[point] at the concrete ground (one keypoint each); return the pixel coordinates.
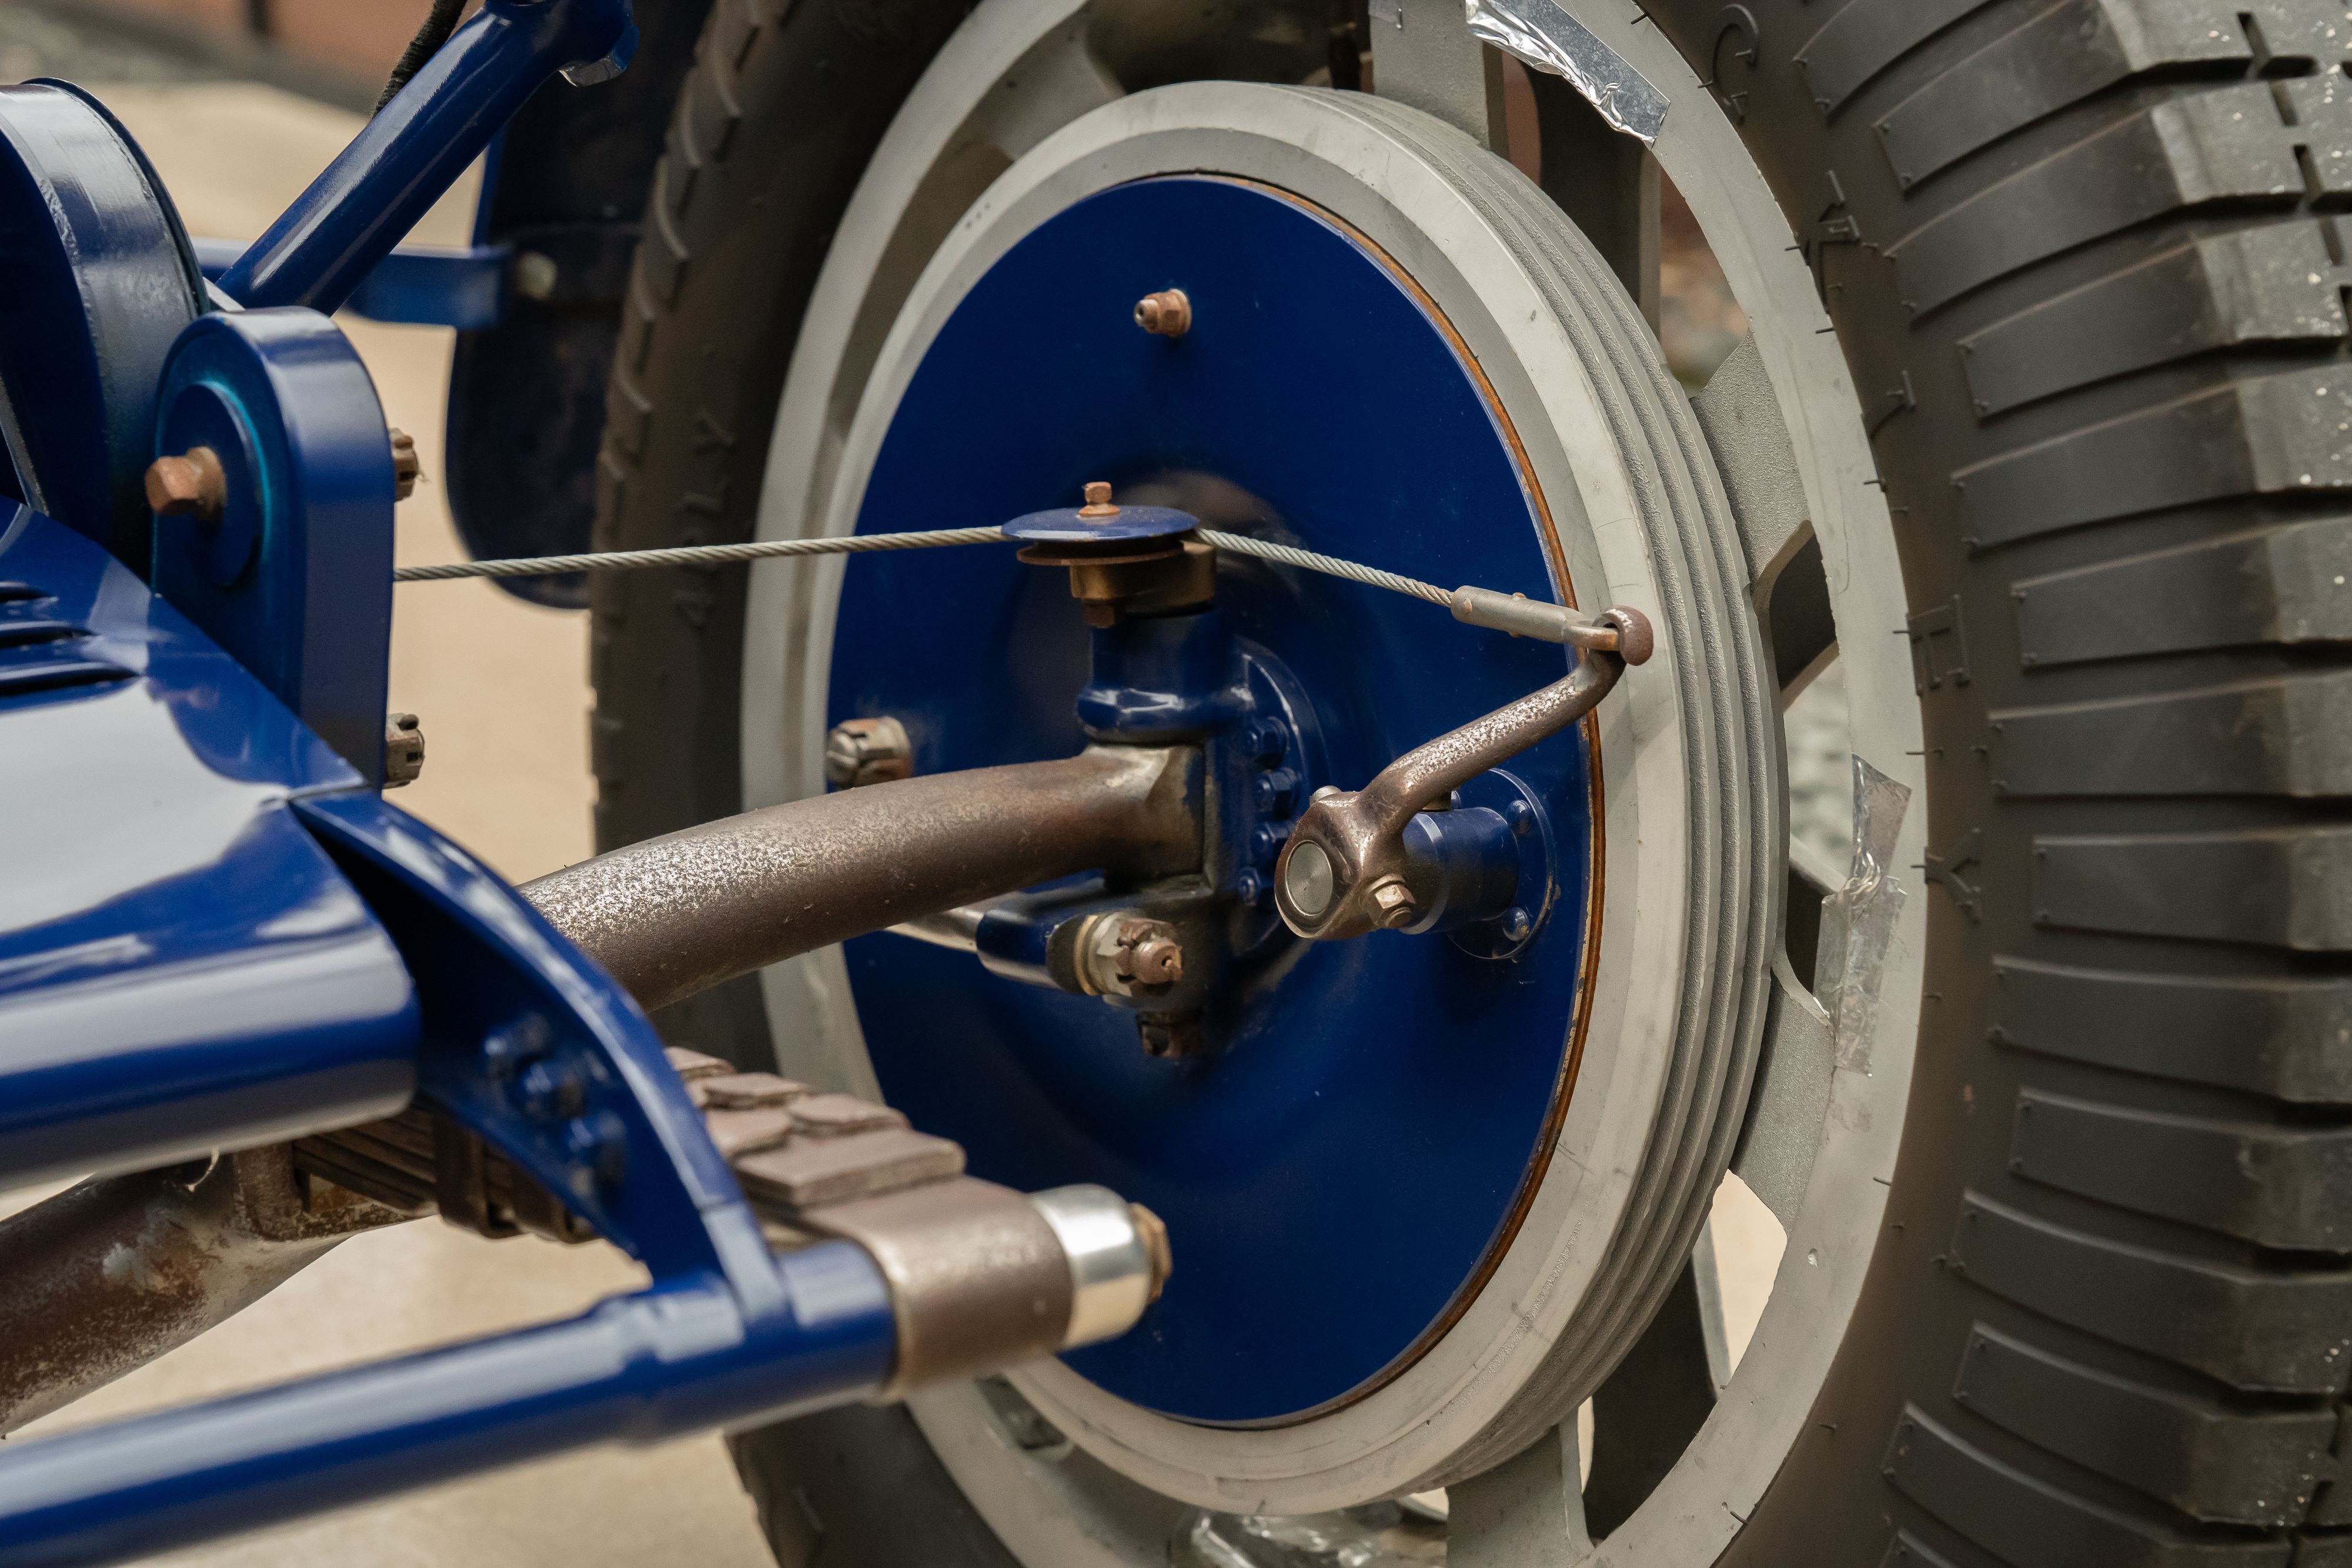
(501, 688)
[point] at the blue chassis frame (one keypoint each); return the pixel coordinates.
(278, 950)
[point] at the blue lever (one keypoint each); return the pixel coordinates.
(333, 236)
(677, 1358)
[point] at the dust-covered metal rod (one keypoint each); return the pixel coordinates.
(105, 1277)
(680, 913)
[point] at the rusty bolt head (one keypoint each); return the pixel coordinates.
(403, 750)
(867, 751)
(405, 469)
(1392, 904)
(1167, 314)
(1169, 1034)
(192, 484)
(1097, 500)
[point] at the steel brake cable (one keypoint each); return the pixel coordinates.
(1487, 607)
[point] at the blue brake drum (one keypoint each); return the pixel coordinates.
(1345, 1165)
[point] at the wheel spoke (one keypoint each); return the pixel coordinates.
(1529, 1508)
(1651, 1408)
(1775, 1156)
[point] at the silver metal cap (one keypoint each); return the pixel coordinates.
(1118, 1259)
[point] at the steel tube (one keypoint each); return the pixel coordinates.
(110, 1274)
(673, 1359)
(678, 914)
(331, 238)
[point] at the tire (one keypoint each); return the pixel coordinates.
(774, 123)
(2076, 261)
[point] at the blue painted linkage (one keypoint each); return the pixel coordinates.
(414, 149)
(416, 284)
(535, 1048)
(680, 1357)
(292, 954)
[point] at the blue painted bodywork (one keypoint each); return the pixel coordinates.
(1377, 1115)
(182, 968)
(295, 579)
(319, 253)
(213, 935)
(96, 282)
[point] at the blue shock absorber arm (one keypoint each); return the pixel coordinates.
(680, 1357)
(373, 194)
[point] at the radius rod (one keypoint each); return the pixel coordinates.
(678, 914)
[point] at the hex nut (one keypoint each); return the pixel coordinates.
(1099, 504)
(1392, 904)
(1167, 314)
(403, 750)
(867, 751)
(193, 484)
(405, 469)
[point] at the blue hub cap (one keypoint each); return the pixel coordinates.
(1343, 1160)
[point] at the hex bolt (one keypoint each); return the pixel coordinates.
(403, 750)
(867, 751)
(193, 484)
(507, 1052)
(598, 1144)
(1169, 1034)
(551, 1091)
(1250, 886)
(1099, 504)
(1392, 904)
(1275, 791)
(1167, 314)
(535, 275)
(1267, 739)
(405, 469)
(1266, 843)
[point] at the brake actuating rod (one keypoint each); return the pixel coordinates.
(1346, 869)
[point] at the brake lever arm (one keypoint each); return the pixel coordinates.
(1346, 870)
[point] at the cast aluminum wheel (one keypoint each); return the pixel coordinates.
(1688, 760)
